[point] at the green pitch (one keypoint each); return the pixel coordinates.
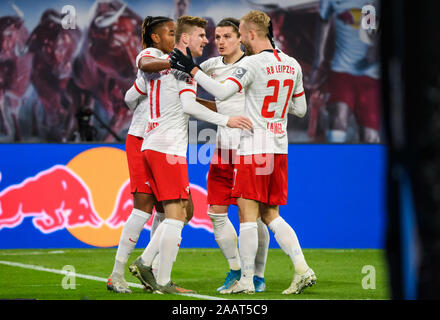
(342, 275)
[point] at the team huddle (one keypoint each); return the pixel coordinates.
(254, 91)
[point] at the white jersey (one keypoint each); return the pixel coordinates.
(351, 51)
(227, 138)
(270, 79)
(139, 120)
(167, 129)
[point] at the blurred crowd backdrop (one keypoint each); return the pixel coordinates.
(66, 65)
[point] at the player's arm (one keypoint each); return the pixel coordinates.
(298, 105)
(185, 63)
(211, 105)
(192, 107)
(151, 64)
(135, 94)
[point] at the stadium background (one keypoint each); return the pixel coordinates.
(336, 197)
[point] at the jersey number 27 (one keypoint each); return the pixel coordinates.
(274, 98)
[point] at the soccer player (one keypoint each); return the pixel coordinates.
(221, 170)
(172, 99)
(353, 83)
(157, 39)
(273, 86)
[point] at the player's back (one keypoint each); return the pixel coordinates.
(273, 79)
(167, 128)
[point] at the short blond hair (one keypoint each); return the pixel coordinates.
(258, 20)
(185, 23)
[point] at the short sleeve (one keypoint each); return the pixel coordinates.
(186, 83)
(148, 52)
(140, 86)
(243, 75)
(325, 9)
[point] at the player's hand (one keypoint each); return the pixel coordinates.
(181, 62)
(240, 122)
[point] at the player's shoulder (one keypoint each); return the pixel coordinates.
(150, 52)
(211, 63)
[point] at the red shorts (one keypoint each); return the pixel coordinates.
(261, 177)
(136, 165)
(220, 176)
(360, 93)
(167, 175)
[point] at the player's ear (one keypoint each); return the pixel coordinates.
(251, 34)
(155, 37)
(185, 38)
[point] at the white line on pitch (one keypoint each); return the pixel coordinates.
(88, 277)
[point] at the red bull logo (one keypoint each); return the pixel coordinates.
(89, 196)
(351, 17)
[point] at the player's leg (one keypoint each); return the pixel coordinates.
(340, 105)
(261, 256)
(143, 205)
(219, 185)
(226, 238)
(288, 241)
(284, 234)
(167, 237)
(250, 187)
(142, 209)
(368, 113)
(158, 217)
(339, 113)
(248, 244)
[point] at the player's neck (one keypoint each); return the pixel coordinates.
(232, 58)
(262, 45)
(181, 47)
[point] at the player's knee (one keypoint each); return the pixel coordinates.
(217, 209)
(269, 215)
(189, 210)
(143, 202)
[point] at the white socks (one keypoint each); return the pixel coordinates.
(226, 238)
(248, 242)
(158, 218)
(168, 247)
(286, 238)
(263, 248)
(129, 237)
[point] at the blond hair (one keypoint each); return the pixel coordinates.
(186, 23)
(258, 21)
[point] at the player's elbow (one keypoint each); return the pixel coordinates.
(130, 100)
(300, 113)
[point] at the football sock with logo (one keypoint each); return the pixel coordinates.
(248, 242)
(129, 237)
(168, 247)
(288, 241)
(263, 248)
(226, 238)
